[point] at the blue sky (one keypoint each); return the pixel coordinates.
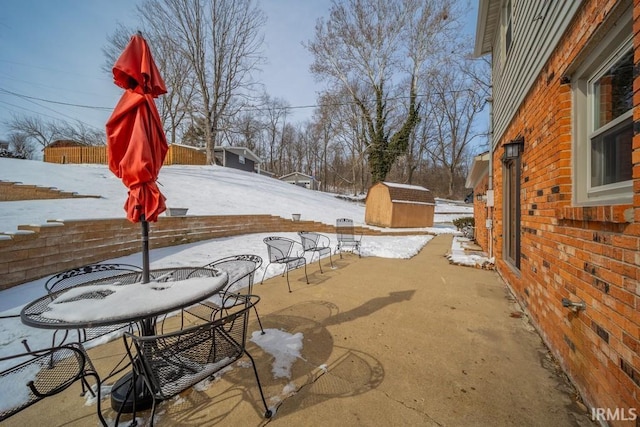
(53, 50)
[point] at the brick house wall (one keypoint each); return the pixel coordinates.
(589, 254)
(481, 233)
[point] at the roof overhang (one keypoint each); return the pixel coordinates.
(486, 26)
(479, 169)
(239, 151)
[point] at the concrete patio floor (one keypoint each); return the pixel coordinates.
(387, 342)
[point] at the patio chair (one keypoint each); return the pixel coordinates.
(37, 375)
(346, 236)
(241, 271)
(86, 274)
(170, 363)
(316, 243)
(287, 252)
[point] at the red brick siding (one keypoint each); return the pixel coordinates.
(589, 254)
(480, 214)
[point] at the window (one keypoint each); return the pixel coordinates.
(241, 160)
(506, 30)
(507, 26)
(511, 199)
(613, 123)
(603, 126)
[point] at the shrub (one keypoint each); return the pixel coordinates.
(463, 222)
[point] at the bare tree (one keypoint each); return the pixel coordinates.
(220, 40)
(42, 133)
(455, 102)
(83, 134)
(36, 130)
(20, 146)
(248, 132)
(372, 48)
(275, 112)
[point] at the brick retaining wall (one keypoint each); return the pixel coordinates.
(12, 191)
(37, 251)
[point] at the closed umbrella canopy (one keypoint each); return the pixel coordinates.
(136, 143)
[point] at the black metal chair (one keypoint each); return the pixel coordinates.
(316, 243)
(241, 271)
(86, 274)
(287, 252)
(172, 362)
(44, 373)
(346, 236)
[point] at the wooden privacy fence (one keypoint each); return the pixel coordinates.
(81, 154)
(177, 155)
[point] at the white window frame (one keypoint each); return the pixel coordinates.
(506, 25)
(613, 46)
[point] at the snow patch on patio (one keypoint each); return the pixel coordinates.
(465, 252)
(283, 346)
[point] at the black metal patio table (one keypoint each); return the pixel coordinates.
(124, 299)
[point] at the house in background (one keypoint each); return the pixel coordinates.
(478, 181)
(237, 157)
(564, 173)
(301, 179)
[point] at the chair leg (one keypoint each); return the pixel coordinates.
(287, 271)
(319, 264)
(265, 273)
(258, 317)
(97, 394)
(330, 260)
(305, 273)
(267, 413)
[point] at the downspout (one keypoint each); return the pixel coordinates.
(490, 185)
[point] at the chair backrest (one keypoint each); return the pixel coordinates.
(344, 230)
(36, 375)
(181, 273)
(87, 273)
(177, 360)
(240, 270)
(309, 240)
(279, 248)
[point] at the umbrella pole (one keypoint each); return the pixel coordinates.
(145, 249)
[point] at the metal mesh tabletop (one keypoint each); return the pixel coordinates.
(123, 298)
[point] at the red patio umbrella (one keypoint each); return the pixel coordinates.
(136, 143)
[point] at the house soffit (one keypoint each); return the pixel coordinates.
(479, 169)
(486, 26)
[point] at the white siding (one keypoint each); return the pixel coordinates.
(537, 28)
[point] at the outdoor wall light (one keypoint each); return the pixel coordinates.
(513, 149)
(479, 197)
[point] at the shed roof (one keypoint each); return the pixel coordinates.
(296, 176)
(408, 193)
